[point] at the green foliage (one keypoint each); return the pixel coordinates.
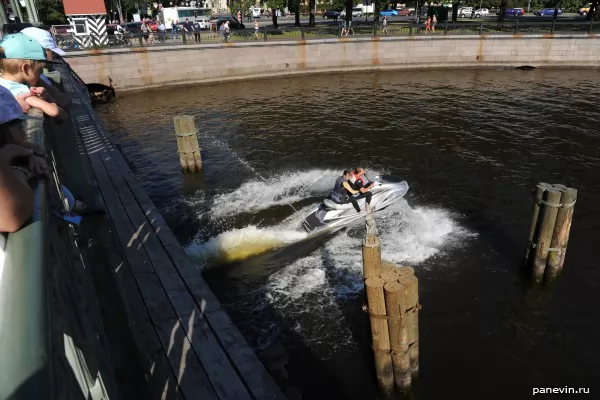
(337, 5)
(275, 4)
(240, 5)
(51, 12)
(293, 5)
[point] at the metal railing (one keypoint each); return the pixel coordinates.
(24, 328)
(325, 31)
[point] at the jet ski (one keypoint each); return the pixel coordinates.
(331, 215)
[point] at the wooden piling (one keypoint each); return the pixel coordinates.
(535, 220)
(411, 313)
(548, 219)
(371, 252)
(560, 236)
(389, 276)
(380, 334)
(394, 293)
(187, 143)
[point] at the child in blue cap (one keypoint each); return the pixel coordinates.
(22, 60)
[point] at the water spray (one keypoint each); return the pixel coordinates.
(245, 163)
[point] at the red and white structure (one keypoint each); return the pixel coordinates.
(88, 21)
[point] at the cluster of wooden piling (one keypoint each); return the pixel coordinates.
(393, 307)
(187, 143)
(550, 228)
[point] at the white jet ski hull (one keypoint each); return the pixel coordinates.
(330, 215)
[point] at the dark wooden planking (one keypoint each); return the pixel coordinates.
(160, 309)
(252, 371)
(157, 371)
(224, 378)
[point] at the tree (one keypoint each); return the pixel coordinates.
(503, 6)
(242, 6)
(51, 12)
(349, 5)
(275, 5)
(311, 18)
(379, 4)
(294, 5)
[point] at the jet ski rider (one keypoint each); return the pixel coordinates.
(346, 191)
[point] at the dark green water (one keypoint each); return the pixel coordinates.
(471, 143)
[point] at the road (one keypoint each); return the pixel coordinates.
(289, 20)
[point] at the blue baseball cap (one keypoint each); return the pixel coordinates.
(21, 46)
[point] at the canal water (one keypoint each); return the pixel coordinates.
(472, 145)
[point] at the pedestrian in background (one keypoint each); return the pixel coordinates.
(197, 30)
(256, 28)
(145, 31)
(384, 26)
(174, 29)
(162, 29)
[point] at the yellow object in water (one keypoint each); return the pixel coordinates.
(244, 250)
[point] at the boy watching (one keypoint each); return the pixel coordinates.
(22, 60)
(45, 39)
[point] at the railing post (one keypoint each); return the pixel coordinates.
(410, 28)
(445, 27)
(301, 32)
(140, 40)
(481, 29)
(374, 28)
(184, 37)
(590, 27)
(265, 33)
(517, 27)
(552, 29)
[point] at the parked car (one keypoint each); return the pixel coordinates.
(516, 12)
(482, 12)
(389, 13)
(233, 24)
(465, 12)
(405, 12)
(356, 12)
(204, 22)
(584, 10)
(133, 27)
(331, 14)
(547, 11)
(152, 25)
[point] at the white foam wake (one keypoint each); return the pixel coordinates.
(311, 289)
(316, 284)
(239, 244)
(286, 188)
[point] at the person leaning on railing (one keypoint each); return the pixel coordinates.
(16, 198)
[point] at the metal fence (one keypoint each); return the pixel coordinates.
(329, 31)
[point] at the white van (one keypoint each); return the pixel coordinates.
(356, 12)
(256, 12)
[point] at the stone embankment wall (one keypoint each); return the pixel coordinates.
(141, 68)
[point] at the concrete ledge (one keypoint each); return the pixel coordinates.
(150, 67)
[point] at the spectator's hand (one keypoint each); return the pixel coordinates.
(21, 100)
(37, 90)
(38, 166)
(12, 151)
